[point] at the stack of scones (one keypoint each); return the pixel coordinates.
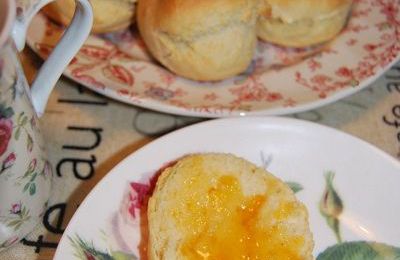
(210, 40)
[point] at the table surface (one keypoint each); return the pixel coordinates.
(74, 113)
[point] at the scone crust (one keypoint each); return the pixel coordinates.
(108, 15)
(302, 23)
(204, 40)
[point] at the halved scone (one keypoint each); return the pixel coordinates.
(219, 206)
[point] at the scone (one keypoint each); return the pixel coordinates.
(108, 15)
(204, 40)
(218, 206)
(302, 23)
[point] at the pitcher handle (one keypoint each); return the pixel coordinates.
(70, 43)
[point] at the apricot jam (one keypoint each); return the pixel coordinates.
(222, 223)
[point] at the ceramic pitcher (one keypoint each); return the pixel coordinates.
(25, 173)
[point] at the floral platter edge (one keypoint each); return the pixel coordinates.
(279, 80)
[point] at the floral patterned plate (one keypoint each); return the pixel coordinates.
(279, 80)
(349, 187)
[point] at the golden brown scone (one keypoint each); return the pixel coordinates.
(202, 40)
(109, 15)
(218, 206)
(302, 23)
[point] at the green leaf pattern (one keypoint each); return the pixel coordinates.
(331, 205)
(356, 250)
(29, 142)
(17, 133)
(30, 175)
(23, 120)
(6, 112)
(32, 188)
(26, 187)
(294, 186)
(17, 217)
(21, 125)
(85, 250)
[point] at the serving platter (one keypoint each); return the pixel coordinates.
(278, 81)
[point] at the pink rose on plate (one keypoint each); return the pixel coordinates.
(137, 197)
(6, 127)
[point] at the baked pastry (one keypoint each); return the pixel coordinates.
(108, 15)
(218, 206)
(202, 40)
(302, 23)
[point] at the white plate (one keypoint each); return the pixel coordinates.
(118, 66)
(366, 180)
